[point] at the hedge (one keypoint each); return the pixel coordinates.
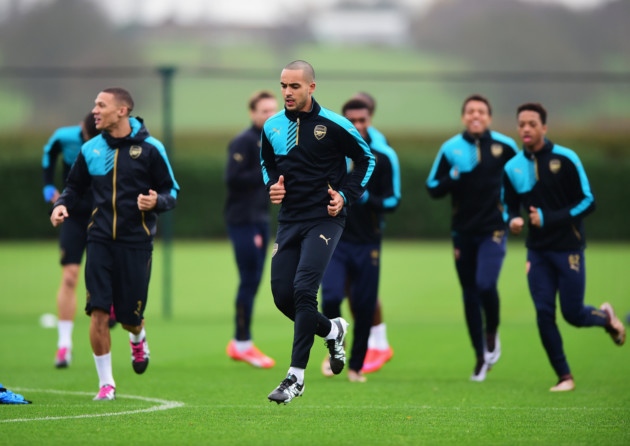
(198, 165)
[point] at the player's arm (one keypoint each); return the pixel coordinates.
(583, 202)
(162, 196)
(242, 171)
(52, 149)
(385, 197)
(77, 183)
(359, 152)
(268, 165)
(442, 176)
(511, 206)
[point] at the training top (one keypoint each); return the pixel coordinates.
(470, 169)
(67, 142)
(247, 198)
(553, 180)
(310, 150)
(366, 217)
(119, 169)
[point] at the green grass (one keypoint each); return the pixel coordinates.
(422, 396)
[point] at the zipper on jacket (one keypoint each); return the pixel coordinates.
(144, 224)
(576, 232)
(114, 216)
(92, 218)
(478, 145)
(297, 132)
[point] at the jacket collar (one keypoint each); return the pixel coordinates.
(294, 116)
(548, 147)
(471, 139)
(138, 133)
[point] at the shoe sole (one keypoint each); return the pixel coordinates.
(326, 370)
(285, 401)
(259, 364)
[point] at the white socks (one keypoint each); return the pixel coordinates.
(334, 331)
(104, 370)
(137, 338)
(378, 337)
(299, 374)
(64, 329)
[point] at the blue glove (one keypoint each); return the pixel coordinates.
(49, 192)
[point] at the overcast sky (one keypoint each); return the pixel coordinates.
(248, 11)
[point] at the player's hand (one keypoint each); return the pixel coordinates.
(277, 191)
(147, 202)
(534, 217)
(336, 202)
(516, 225)
(58, 215)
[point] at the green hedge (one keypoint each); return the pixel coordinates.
(198, 162)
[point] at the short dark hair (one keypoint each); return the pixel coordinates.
(355, 104)
(477, 97)
(121, 95)
(309, 71)
(368, 99)
(257, 97)
(535, 107)
(89, 125)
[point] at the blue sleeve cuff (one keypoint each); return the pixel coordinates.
(344, 197)
(540, 215)
(49, 192)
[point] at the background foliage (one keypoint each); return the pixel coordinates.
(199, 159)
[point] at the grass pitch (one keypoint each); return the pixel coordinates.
(193, 394)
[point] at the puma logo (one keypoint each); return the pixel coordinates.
(324, 238)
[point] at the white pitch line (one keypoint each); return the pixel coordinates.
(162, 405)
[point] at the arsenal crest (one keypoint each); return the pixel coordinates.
(496, 150)
(554, 166)
(135, 151)
(320, 131)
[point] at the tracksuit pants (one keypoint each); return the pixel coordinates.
(559, 272)
(356, 265)
(249, 242)
(478, 260)
(299, 259)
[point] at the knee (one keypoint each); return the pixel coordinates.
(99, 320)
(487, 287)
(470, 295)
(283, 299)
(545, 314)
(70, 276)
(135, 329)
